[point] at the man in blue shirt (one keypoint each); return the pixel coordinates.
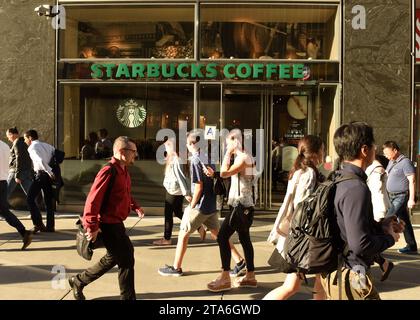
(401, 187)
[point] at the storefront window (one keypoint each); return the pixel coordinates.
(128, 32)
(269, 31)
(137, 111)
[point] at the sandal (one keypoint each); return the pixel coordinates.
(162, 242)
(219, 285)
(386, 273)
(245, 282)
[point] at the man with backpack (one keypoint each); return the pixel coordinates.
(105, 210)
(364, 238)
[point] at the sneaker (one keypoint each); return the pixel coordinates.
(407, 250)
(219, 285)
(162, 242)
(170, 271)
(27, 239)
(245, 282)
(239, 270)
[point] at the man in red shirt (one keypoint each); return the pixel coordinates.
(109, 219)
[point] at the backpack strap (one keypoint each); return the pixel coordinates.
(113, 173)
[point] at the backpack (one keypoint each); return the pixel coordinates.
(313, 244)
(56, 159)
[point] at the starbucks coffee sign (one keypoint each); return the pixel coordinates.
(199, 71)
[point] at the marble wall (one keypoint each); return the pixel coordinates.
(377, 63)
(27, 55)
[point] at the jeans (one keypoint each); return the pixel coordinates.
(399, 208)
(26, 178)
(223, 237)
(173, 205)
(42, 181)
(10, 218)
(120, 251)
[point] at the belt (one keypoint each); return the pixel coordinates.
(392, 194)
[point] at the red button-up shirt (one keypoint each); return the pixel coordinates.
(120, 202)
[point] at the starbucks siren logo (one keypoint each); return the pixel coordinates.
(130, 114)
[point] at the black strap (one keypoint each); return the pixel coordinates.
(113, 173)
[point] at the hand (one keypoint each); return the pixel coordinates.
(18, 181)
(140, 213)
(52, 176)
(411, 204)
(208, 171)
(91, 236)
(188, 198)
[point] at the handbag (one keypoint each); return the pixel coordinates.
(219, 186)
(84, 246)
(241, 217)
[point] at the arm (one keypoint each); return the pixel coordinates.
(94, 200)
(17, 151)
(360, 239)
(412, 189)
(227, 170)
(181, 179)
(198, 190)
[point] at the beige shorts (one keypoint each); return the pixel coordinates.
(193, 219)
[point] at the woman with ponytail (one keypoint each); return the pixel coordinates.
(303, 179)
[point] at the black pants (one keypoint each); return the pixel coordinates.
(225, 233)
(42, 181)
(120, 251)
(173, 205)
(11, 219)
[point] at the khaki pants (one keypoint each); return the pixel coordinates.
(353, 286)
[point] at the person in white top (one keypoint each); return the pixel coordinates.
(303, 179)
(10, 218)
(376, 181)
(41, 154)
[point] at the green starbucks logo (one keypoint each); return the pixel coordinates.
(130, 114)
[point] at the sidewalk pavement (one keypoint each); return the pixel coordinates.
(41, 272)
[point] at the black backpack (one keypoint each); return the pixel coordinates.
(313, 244)
(56, 159)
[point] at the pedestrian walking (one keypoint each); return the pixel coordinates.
(108, 219)
(177, 189)
(5, 212)
(41, 154)
(401, 186)
(201, 210)
(303, 179)
(376, 181)
(243, 192)
(20, 163)
(364, 237)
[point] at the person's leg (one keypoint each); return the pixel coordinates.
(10, 218)
(408, 230)
(223, 237)
(181, 248)
(33, 192)
(47, 191)
(319, 293)
(290, 286)
(177, 206)
(169, 212)
(26, 181)
(11, 184)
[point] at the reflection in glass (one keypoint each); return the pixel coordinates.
(134, 32)
(265, 32)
